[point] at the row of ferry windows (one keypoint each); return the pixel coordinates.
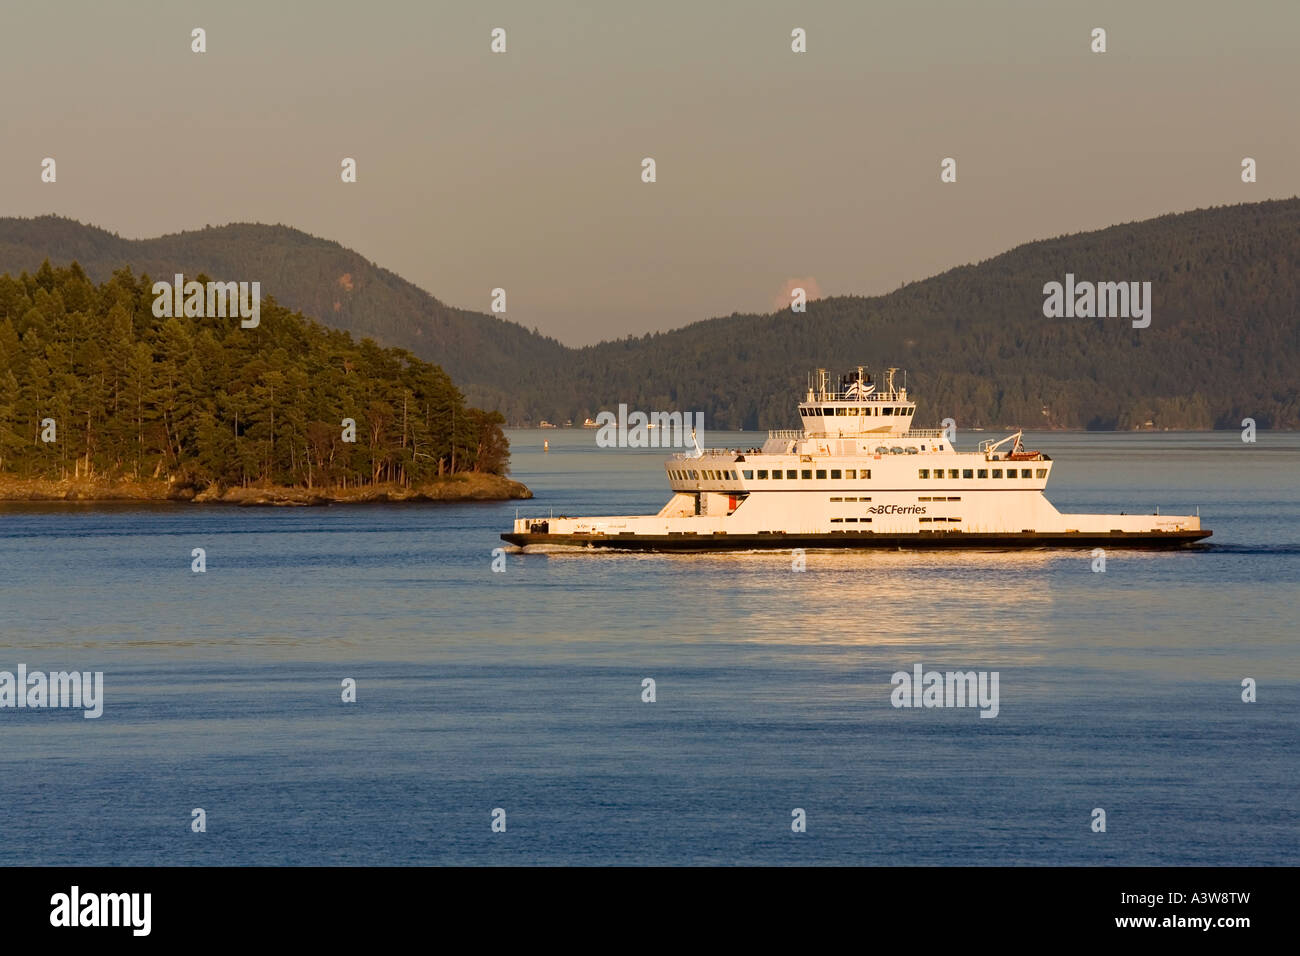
(867, 410)
(980, 473)
(791, 474)
(837, 474)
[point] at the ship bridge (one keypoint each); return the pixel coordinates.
(856, 408)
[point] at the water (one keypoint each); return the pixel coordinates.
(522, 690)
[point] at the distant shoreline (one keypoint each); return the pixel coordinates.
(467, 486)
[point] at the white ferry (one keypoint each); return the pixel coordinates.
(857, 475)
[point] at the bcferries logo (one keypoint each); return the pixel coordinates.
(896, 510)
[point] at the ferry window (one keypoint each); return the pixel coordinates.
(1042, 472)
(950, 499)
(791, 474)
(925, 521)
(967, 473)
(837, 520)
(835, 473)
(866, 520)
(982, 473)
(938, 473)
(887, 410)
(821, 473)
(837, 499)
(853, 520)
(952, 472)
(867, 473)
(997, 472)
(864, 499)
(748, 475)
(850, 474)
(1026, 473)
(850, 499)
(828, 411)
(923, 473)
(762, 473)
(806, 474)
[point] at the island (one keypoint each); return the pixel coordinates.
(104, 396)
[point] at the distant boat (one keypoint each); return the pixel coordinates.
(546, 424)
(590, 423)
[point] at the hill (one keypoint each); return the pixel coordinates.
(317, 277)
(95, 387)
(1223, 343)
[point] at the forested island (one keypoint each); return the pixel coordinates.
(102, 399)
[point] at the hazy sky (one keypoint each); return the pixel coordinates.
(523, 169)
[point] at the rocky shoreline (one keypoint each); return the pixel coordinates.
(469, 486)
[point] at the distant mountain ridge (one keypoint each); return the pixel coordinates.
(317, 277)
(1223, 344)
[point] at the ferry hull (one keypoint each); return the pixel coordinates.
(866, 540)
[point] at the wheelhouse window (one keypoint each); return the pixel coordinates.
(887, 410)
(748, 475)
(997, 472)
(968, 473)
(952, 472)
(762, 474)
(982, 473)
(821, 473)
(806, 474)
(923, 473)
(1042, 472)
(835, 474)
(851, 473)
(791, 474)
(1026, 473)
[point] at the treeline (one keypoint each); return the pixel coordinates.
(202, 401)
(322, 279)
(1223, 344)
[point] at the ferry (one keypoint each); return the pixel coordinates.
(857, 475)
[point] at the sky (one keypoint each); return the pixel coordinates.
(522, 170)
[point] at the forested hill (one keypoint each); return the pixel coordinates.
(314, 276)
(1223, 343)
(93, 385)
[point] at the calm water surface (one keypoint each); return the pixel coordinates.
(522, 690)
